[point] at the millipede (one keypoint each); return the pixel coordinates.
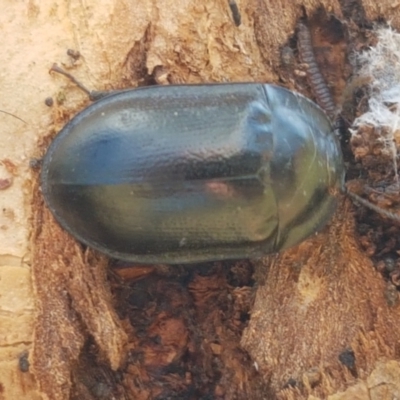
(315, 78)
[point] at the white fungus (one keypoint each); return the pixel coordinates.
(380, 66)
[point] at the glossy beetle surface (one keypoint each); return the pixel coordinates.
(192, 173)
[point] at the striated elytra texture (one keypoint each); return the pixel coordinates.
(194, 173)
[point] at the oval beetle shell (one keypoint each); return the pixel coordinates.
(189, 173)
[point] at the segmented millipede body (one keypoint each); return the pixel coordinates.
(316, 80)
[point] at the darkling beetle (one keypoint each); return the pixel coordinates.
(189, 173)
(192, 173)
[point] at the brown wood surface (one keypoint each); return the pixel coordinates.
(324, 321)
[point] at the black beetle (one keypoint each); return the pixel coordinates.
(189, 173)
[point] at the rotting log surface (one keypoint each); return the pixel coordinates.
(127, 43)
(321, 318)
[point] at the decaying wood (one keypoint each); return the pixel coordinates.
(72, 300)
(320, 321)
(323, 315)
(317, 302)
(176, 332)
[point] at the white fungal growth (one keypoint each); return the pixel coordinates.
(380, 66)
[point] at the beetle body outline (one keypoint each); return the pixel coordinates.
(190, 173)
